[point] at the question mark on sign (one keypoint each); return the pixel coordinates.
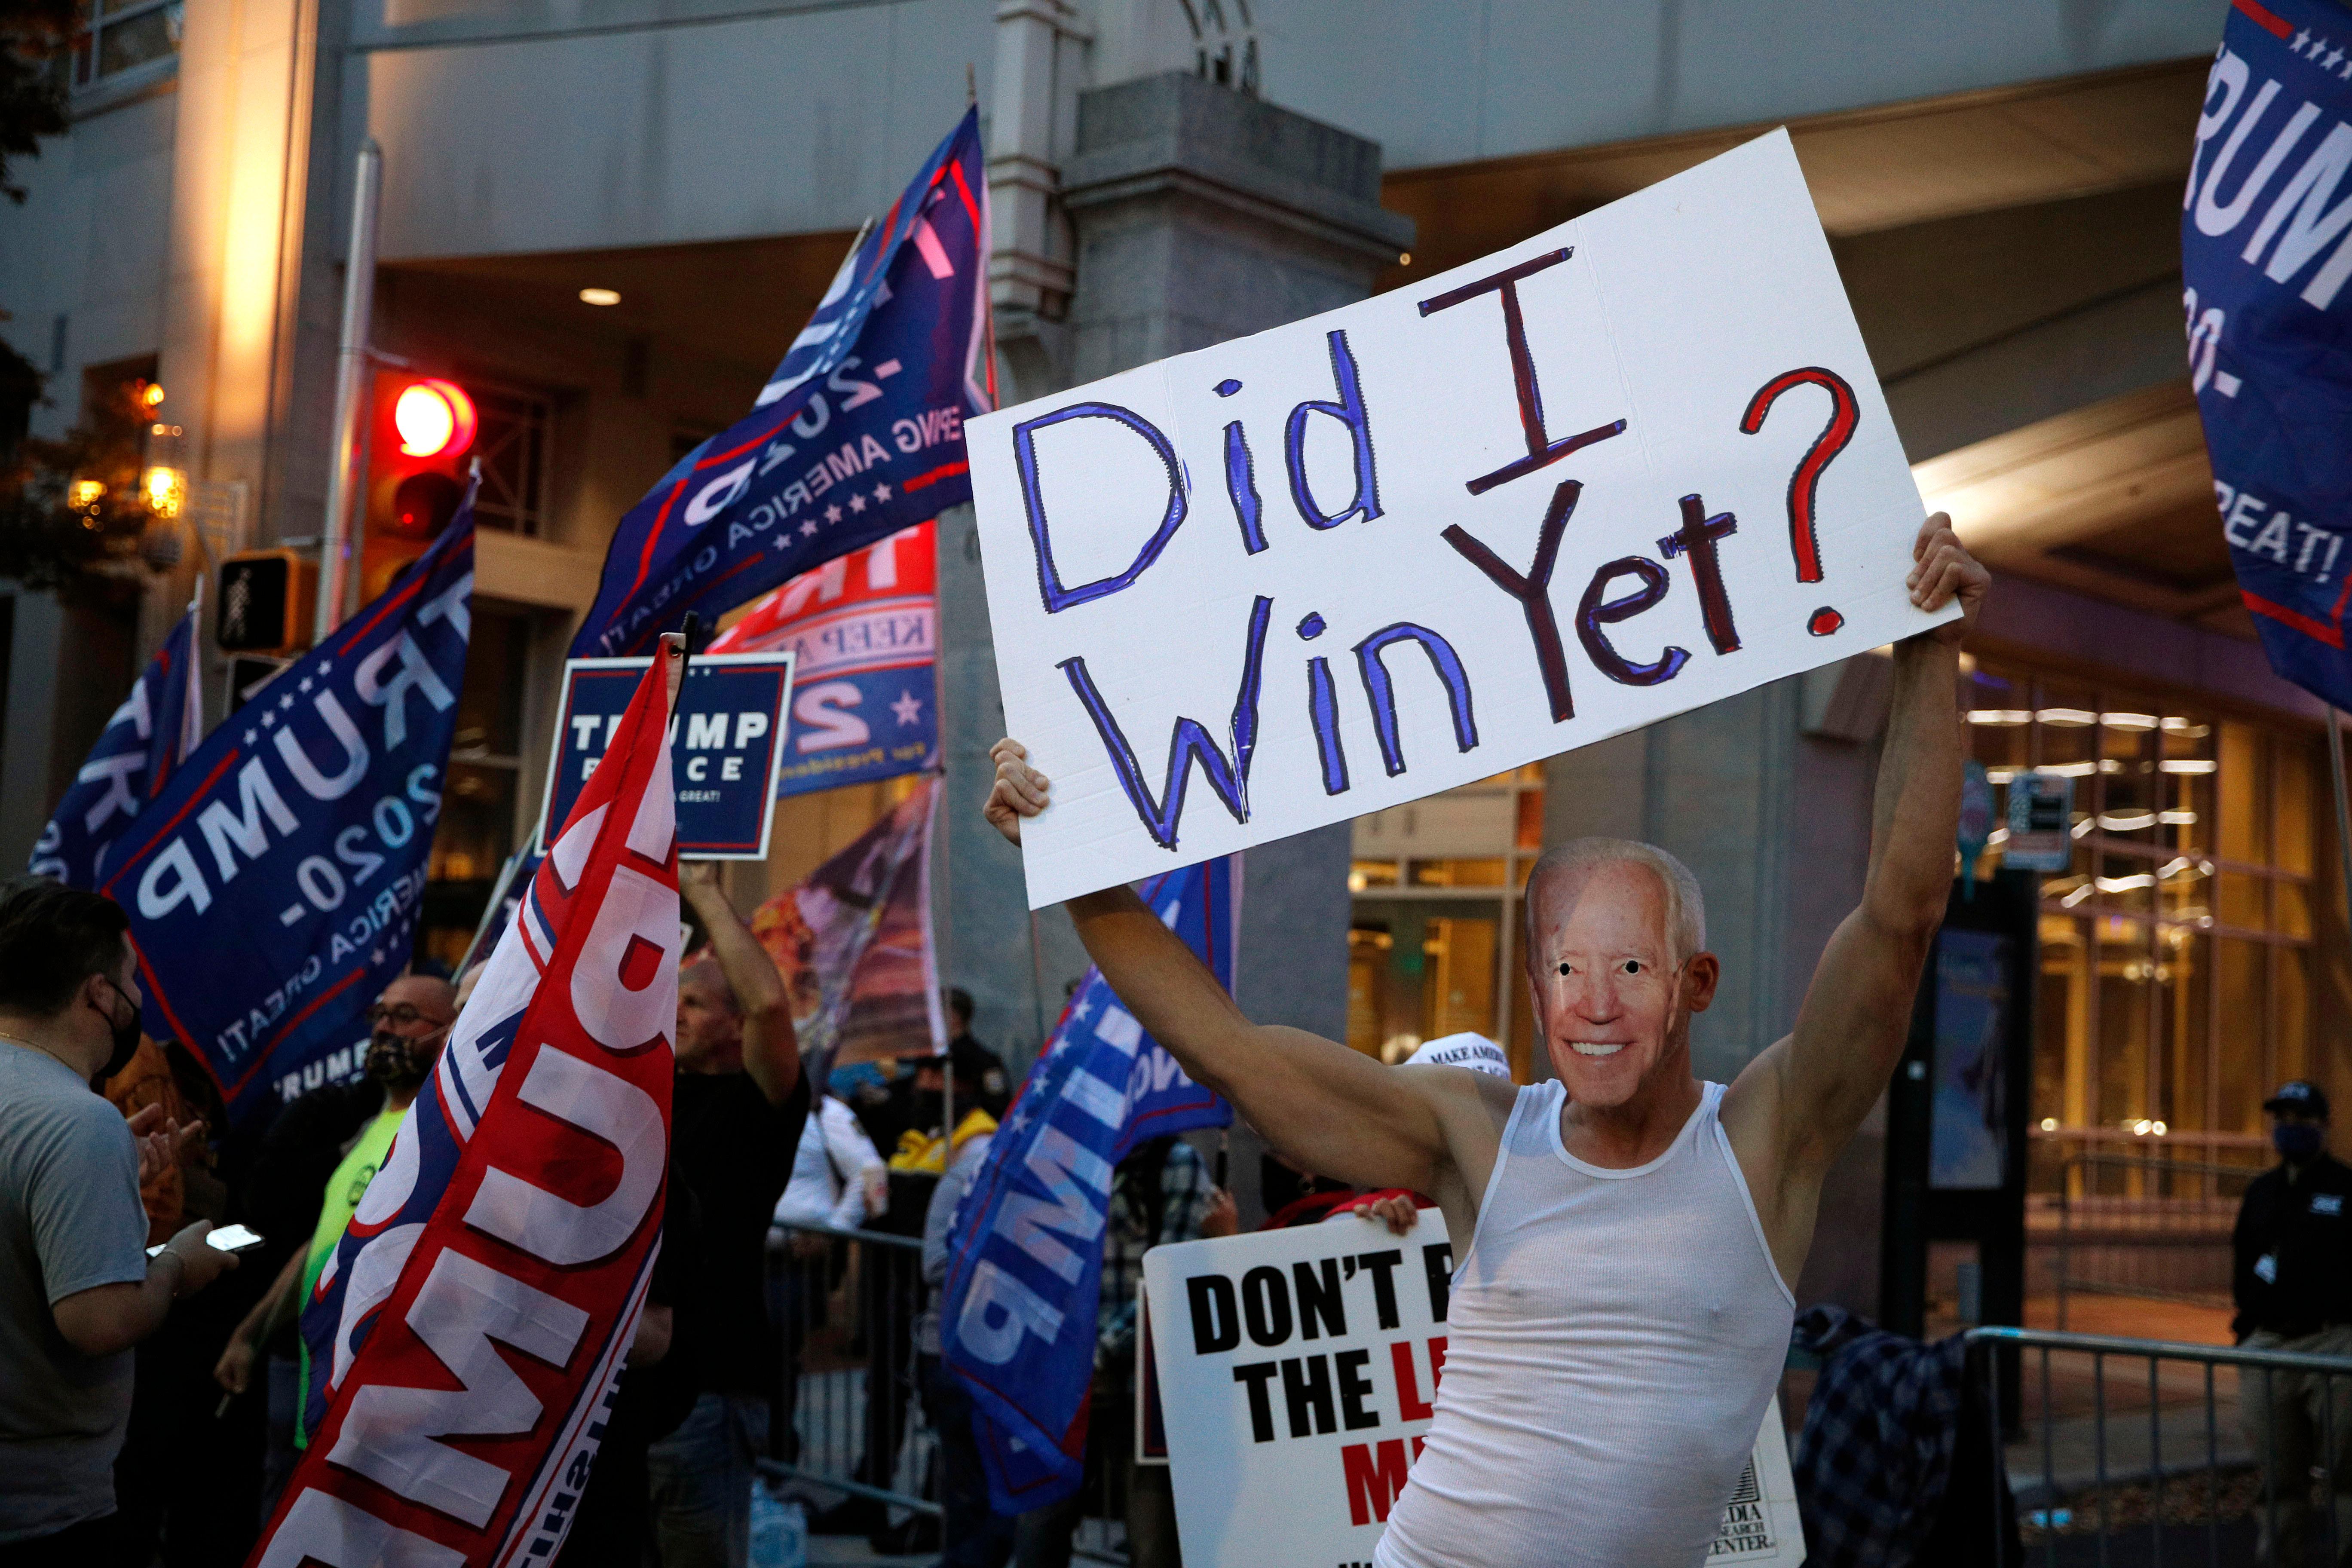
(1804, 539)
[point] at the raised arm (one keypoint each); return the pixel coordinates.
(1803, 1098)
(1332, 1110)
(770, 1050)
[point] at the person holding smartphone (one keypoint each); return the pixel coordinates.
(77, 1288)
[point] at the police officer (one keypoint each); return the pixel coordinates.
(2292, 1283)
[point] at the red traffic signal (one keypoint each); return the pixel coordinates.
(423, 432)
(434, 419)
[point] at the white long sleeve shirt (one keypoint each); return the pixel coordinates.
(827, 1187)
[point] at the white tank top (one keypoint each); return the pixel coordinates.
(1612, 1340)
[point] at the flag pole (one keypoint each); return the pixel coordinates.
(344, 481)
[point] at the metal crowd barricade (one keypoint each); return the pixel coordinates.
(847, 1416)
(847, 1419)
(2124, 1452)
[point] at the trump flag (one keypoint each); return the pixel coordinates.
(864, 630)
(273, 886)
(154, 730)
(2266, 262)
(858, 434)
(467, 1335)
(1024, 1266)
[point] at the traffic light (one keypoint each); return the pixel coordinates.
(266, 602)
(424, 430)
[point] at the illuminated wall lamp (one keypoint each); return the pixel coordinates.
(165, 490)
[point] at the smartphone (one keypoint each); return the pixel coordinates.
(235, 1238)
(231, 1238)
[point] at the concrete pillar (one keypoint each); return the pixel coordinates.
(252, 278)
(1199, 215)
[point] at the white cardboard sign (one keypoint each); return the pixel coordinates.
(1299, 1370)
(1637, 463)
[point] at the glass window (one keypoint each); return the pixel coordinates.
(2242, 971)
(478, 829)
(2242, 782)
(2126, 1021)
(124, 35)
(512, 444)
(2292, 782)
(1458, 991)
(1437, 888)
(2177, 963)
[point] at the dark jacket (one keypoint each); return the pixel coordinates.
(2291, 1251)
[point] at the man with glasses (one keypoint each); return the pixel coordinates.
(2293, 1284)
(1626, 1233)
(406, 1028)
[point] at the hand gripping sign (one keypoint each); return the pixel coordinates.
(473, 1319)
(1298, 1373)
(1634, 465)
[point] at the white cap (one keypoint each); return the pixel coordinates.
(1476, 1052)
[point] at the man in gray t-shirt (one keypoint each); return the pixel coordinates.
(77, 1286)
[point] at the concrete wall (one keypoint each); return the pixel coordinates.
(1463, 79)
(86, 250)
(551, 125)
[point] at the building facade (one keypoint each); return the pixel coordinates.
(2001, 181)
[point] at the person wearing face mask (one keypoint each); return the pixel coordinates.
(77, 1289)
(406, 1028)
(2293, 1284)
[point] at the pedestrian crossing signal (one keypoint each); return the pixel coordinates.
(266, 602)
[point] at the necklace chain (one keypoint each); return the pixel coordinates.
(36, 1046)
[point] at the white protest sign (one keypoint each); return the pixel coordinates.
(1634, 465)
(1298, 1373)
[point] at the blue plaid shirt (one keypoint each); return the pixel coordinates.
(1185, 1190)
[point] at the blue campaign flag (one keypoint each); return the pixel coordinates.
(1025, 1270)
(154, 730)
(2266, 257)
(858, 434)
(273, 887)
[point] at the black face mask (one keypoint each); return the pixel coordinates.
(126, 1040)
(398, 1063)
(2299, 1140)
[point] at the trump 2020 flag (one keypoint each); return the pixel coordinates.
(1025, 1270)
(157, 726)
(858, 434)
(273, 886)
(468, 1333)
(864, 628)
(2266, 257)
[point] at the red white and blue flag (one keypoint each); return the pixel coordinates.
(473, 1321)
(864, 628)
(858, 434)
(158, 725)
(1018, 1314)
(2266, 265)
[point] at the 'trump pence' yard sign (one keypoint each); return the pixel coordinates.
(1634, 465)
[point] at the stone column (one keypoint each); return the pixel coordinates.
(1199, 215)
